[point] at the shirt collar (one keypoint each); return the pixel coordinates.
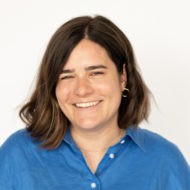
(137, 135)
(68, 138)
(134, 132)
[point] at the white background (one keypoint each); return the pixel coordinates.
(158, 30)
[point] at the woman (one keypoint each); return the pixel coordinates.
(82, 120)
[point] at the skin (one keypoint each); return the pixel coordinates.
(89, 75)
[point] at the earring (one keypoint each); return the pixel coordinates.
(125, 89)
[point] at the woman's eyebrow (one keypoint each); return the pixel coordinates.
(92, 67)
(65, 71)
(95, 67)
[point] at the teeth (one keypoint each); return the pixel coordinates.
(88, 104)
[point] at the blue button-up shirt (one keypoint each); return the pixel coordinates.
(141, 160)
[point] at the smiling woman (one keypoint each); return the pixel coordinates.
(73, 53)
(82, 120)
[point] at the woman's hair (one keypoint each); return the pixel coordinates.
(44, 119)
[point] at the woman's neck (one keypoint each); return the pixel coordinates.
(96, 140)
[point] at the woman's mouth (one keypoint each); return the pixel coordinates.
(87, 104)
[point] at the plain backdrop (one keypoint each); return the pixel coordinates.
(158, 30)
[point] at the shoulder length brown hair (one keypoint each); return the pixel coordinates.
(44, 119)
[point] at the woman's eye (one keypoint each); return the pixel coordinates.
(66, 77)
(97, 73)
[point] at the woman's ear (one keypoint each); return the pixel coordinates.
(123, 77)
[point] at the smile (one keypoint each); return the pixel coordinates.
(87, 104)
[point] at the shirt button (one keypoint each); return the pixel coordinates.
(111, 155)
(123, 141)
(93, 185)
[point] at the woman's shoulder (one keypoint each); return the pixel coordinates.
(148, 139)
(157, 145)
(154, 141)
(19, 135)
(168, 158)
(17, 141)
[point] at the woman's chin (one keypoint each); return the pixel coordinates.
(86, 126)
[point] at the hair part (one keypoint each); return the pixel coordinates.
(42, 115)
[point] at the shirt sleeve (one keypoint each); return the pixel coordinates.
(176, 171)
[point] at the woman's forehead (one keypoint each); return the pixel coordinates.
(87, 54)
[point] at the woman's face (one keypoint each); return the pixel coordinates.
(89, 89)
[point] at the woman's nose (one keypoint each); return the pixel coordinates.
(83, 87)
